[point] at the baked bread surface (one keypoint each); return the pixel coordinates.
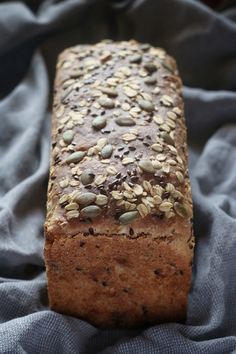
(118, 233)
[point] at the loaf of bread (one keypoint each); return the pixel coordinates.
(119, 241)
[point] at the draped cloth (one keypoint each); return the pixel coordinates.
(203, 41)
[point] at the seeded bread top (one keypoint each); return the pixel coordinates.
(118, 138)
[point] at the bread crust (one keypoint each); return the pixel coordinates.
(118, 232)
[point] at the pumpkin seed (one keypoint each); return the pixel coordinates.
(75, 157)
(145, 46)
(86, 198)
(87, 177)
(101, 199)
(150, 80)
(107, 151)
(106, 102)
(64, 183)
(136, 58)
(99, 122)
(128, 217)
(150, 67)
(146, 105)
(91, 211)
(68, 136)
(125, 121)
(146, 166)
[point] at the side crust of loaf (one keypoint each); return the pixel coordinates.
(118, 234)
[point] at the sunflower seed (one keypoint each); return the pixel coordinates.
(60, 111)
(128, 194)
(129, 137)
(109, 91)
(129, 206)
(137, 189)
(101, 143)
(72, 214)
(179, 176)
(157, 147)
(100, 180)
(165, 127)
(157, 199)
(147, 186)
(130, 92)
(158, 119)
(117, 195)
(63, 199)
(165, 167)
(171, 115)
(166, 101)
(143, 210)
(167, 138)
(161, 157)
(157, 165)
(127, 160)
(111, 170)
(72, 206)
(182, 210)
(165, 206)
(101, 200)
(177, 111)
(128, 217)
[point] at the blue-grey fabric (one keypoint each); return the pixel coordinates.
(204, 43)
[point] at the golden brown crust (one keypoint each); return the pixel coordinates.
(119, 185)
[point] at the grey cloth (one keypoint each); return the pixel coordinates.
(204, 43)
